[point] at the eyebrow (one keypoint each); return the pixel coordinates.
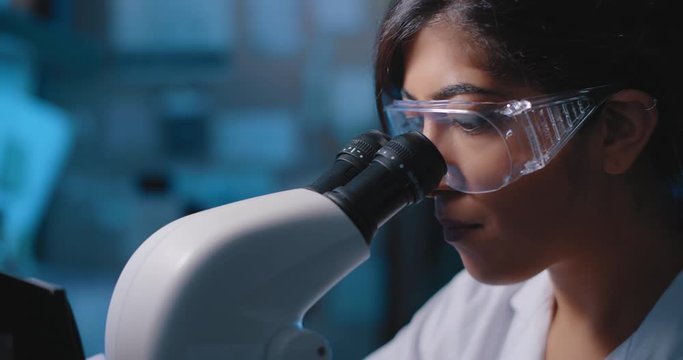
(453, 90)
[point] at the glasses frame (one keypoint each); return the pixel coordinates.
(542, 125)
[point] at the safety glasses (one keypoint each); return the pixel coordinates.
(488, 145)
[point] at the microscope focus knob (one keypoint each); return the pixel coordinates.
(298, 344)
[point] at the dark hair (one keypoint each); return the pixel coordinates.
(557, 45)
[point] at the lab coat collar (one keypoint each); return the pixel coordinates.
(535, 295)
(532, 307)
(660, 336)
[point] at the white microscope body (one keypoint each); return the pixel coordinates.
(246, 272)
(234, 282)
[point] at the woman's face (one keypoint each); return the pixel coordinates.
(535, 222)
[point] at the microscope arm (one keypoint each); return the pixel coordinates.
(234, 281)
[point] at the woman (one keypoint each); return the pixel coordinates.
(558, 122)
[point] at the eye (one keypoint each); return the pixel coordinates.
(470, 123)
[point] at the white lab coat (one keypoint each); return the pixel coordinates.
(470, 320)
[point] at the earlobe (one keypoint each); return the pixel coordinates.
(630, 118)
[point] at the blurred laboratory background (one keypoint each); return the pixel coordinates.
(119, 116)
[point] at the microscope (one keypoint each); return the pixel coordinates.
(235, 281)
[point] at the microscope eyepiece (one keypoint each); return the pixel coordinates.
(350, 161)
(416, 160)
(401, 173)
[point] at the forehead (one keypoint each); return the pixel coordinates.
(442, 55)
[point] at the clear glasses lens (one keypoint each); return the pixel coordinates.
(489, 145)
(478, 156)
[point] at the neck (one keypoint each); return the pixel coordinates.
(607, 290)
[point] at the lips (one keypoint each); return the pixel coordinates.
(455, 231)
(456, 217)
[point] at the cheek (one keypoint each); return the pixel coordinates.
(552, 196)
(538, 218)
(530, 224)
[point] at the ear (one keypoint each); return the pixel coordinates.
(629, 119)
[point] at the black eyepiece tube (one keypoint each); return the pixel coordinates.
(402, 172)
(351, 160)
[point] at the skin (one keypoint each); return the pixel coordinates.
(610, 254)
